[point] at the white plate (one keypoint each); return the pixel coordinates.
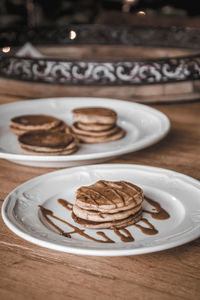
(177, 193)
(144, 126)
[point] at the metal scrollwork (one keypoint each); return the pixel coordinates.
(130, 72)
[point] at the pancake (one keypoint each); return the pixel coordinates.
(108, 204)
(110, 224)
(48, 142)
(109, 196)
(94, 115)
(34, 122)
(97, 216)
(61, 126)
(77, 130)
(63, 152)
(91, 139)
(94, 127)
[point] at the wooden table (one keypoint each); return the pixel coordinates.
(28, 271)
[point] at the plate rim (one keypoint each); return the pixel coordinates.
(163, 118)
(101, 252)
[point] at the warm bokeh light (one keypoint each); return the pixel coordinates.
(131, 1)
(72, 34)
(141, 13)
(127, 4)
(6, 49)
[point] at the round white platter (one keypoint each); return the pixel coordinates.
(144, 126)
(178, 194)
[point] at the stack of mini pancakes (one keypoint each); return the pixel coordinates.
(43, 135)
(108, 204)
(22, 124)
(95, 125)
(48, 143)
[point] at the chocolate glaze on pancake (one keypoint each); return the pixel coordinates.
(96, 115)
(107, 196)
(108, 204)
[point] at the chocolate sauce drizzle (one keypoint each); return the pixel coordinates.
(46, 213)
(114, 191)
(100, 194)
(126, 237)
(118, 192)
(150, 230)
(65, 204)
(159, 213)
(124, 234)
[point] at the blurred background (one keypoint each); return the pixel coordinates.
(53, 29)
(36, 13)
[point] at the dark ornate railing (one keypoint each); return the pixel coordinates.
(129, 72)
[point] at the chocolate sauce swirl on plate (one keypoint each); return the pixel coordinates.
(150, 230)
(124, 234)
(159, 213)
(46, 213)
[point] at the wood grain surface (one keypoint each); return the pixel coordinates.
(28, 271)
(12, 90)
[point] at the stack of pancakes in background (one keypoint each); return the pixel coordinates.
(94, 125)
(22, 124)
(108, 204)
(43, 135)
(47, 135)
(48, 143)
